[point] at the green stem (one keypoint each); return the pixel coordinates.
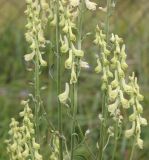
(37, 91)
(104, 99)
(75, 86)
(103, 130)
(74, 107)
(132, 151)
(59, 81)
(105, 123)
(115, 140)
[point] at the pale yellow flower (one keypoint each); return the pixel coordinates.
(63, 97)
(29, 57)
(90, 5)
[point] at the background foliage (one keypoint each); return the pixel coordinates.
(130, 20)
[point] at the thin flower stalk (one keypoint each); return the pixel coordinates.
(118, 88)
(68, 16)
(60, 127)
(103, 65)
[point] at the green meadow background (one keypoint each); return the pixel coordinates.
(130, 20)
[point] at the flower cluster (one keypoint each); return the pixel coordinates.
(68, 13)
(135, 117)
(21, 144)
(36, 20)
(103, 63)
(118, 88)
(15, 147)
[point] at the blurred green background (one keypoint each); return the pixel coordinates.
(130, 20)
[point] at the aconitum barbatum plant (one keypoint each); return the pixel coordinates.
(120, 95)
(66, 20)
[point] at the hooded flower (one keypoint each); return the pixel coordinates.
(63, 97)
(29, 57)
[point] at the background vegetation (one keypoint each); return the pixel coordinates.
(130, 20)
